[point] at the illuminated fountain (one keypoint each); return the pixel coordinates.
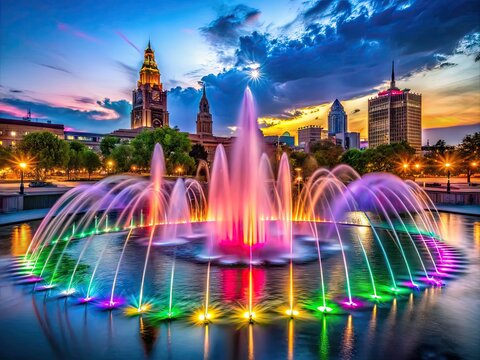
(244, 216)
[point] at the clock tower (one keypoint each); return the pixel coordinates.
(204, 118)
(149, 100)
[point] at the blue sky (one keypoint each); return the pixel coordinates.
(77, 62)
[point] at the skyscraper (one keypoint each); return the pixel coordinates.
(337, 119)
(204, 118)
(149, 100)
(395, 115)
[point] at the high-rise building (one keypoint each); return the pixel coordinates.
(204, 118)
(149, 100)
(310, 134)
(337, 119)
(395, 115)
(348, 140)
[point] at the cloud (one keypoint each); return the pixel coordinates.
(56, 68)
(114, 114)
(80, 34)
(223, 33)
(339, 49)
(453, 135)
(127, 40)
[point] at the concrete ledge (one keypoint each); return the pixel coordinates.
(23, 216)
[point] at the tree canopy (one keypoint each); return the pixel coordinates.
(47, 151)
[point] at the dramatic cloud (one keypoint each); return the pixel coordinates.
(223, 33)
(343, 56)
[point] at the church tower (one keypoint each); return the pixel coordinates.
(149, 100)
(204, 118)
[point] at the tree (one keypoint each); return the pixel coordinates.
(356, 159)
(75, 157)
(122, 156)
(107, 144)
(46, 149)
(326, 153)
(5, 156)
(198, 153)
(388, 158)
(176, 148)
(469, 153)
(91, 162)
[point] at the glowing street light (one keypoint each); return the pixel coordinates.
(470, 171)
(448, 165)
(22, 165)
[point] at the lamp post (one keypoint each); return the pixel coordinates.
(109, 166)
(22, 166)
(447, 165)
(470, 172)
(405, 169)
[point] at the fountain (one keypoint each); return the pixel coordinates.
(244, 216)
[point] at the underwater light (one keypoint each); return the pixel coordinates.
(204, 317)
(324, 309)
(68, 292)
(374, 296)
(249, 315)
(291, 312)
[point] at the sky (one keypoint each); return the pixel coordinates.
(76, 63)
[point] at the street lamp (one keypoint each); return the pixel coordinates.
(22, 166)
(447, 165)
(471, 171)
(109, 166)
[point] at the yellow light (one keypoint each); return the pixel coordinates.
(447, 165)
(474, 164)
(23, 165)
(110, 163)
(405, 166)
(291, 312)
(417, 166)
(249, 315)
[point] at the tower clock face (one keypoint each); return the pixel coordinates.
(156, 95)
(138, 97)
(156, 123)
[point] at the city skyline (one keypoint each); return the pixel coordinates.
(307, 54)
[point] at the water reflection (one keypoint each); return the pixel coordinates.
(441, 322)
(21, 237)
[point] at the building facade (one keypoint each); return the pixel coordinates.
(348, 140)
(310, 134)
(337, 119)
(204, 118)
(204, 135)
(12, 131)
(394, 116)
(284, 139)
(149, 100)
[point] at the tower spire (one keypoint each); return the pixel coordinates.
(392, 82)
